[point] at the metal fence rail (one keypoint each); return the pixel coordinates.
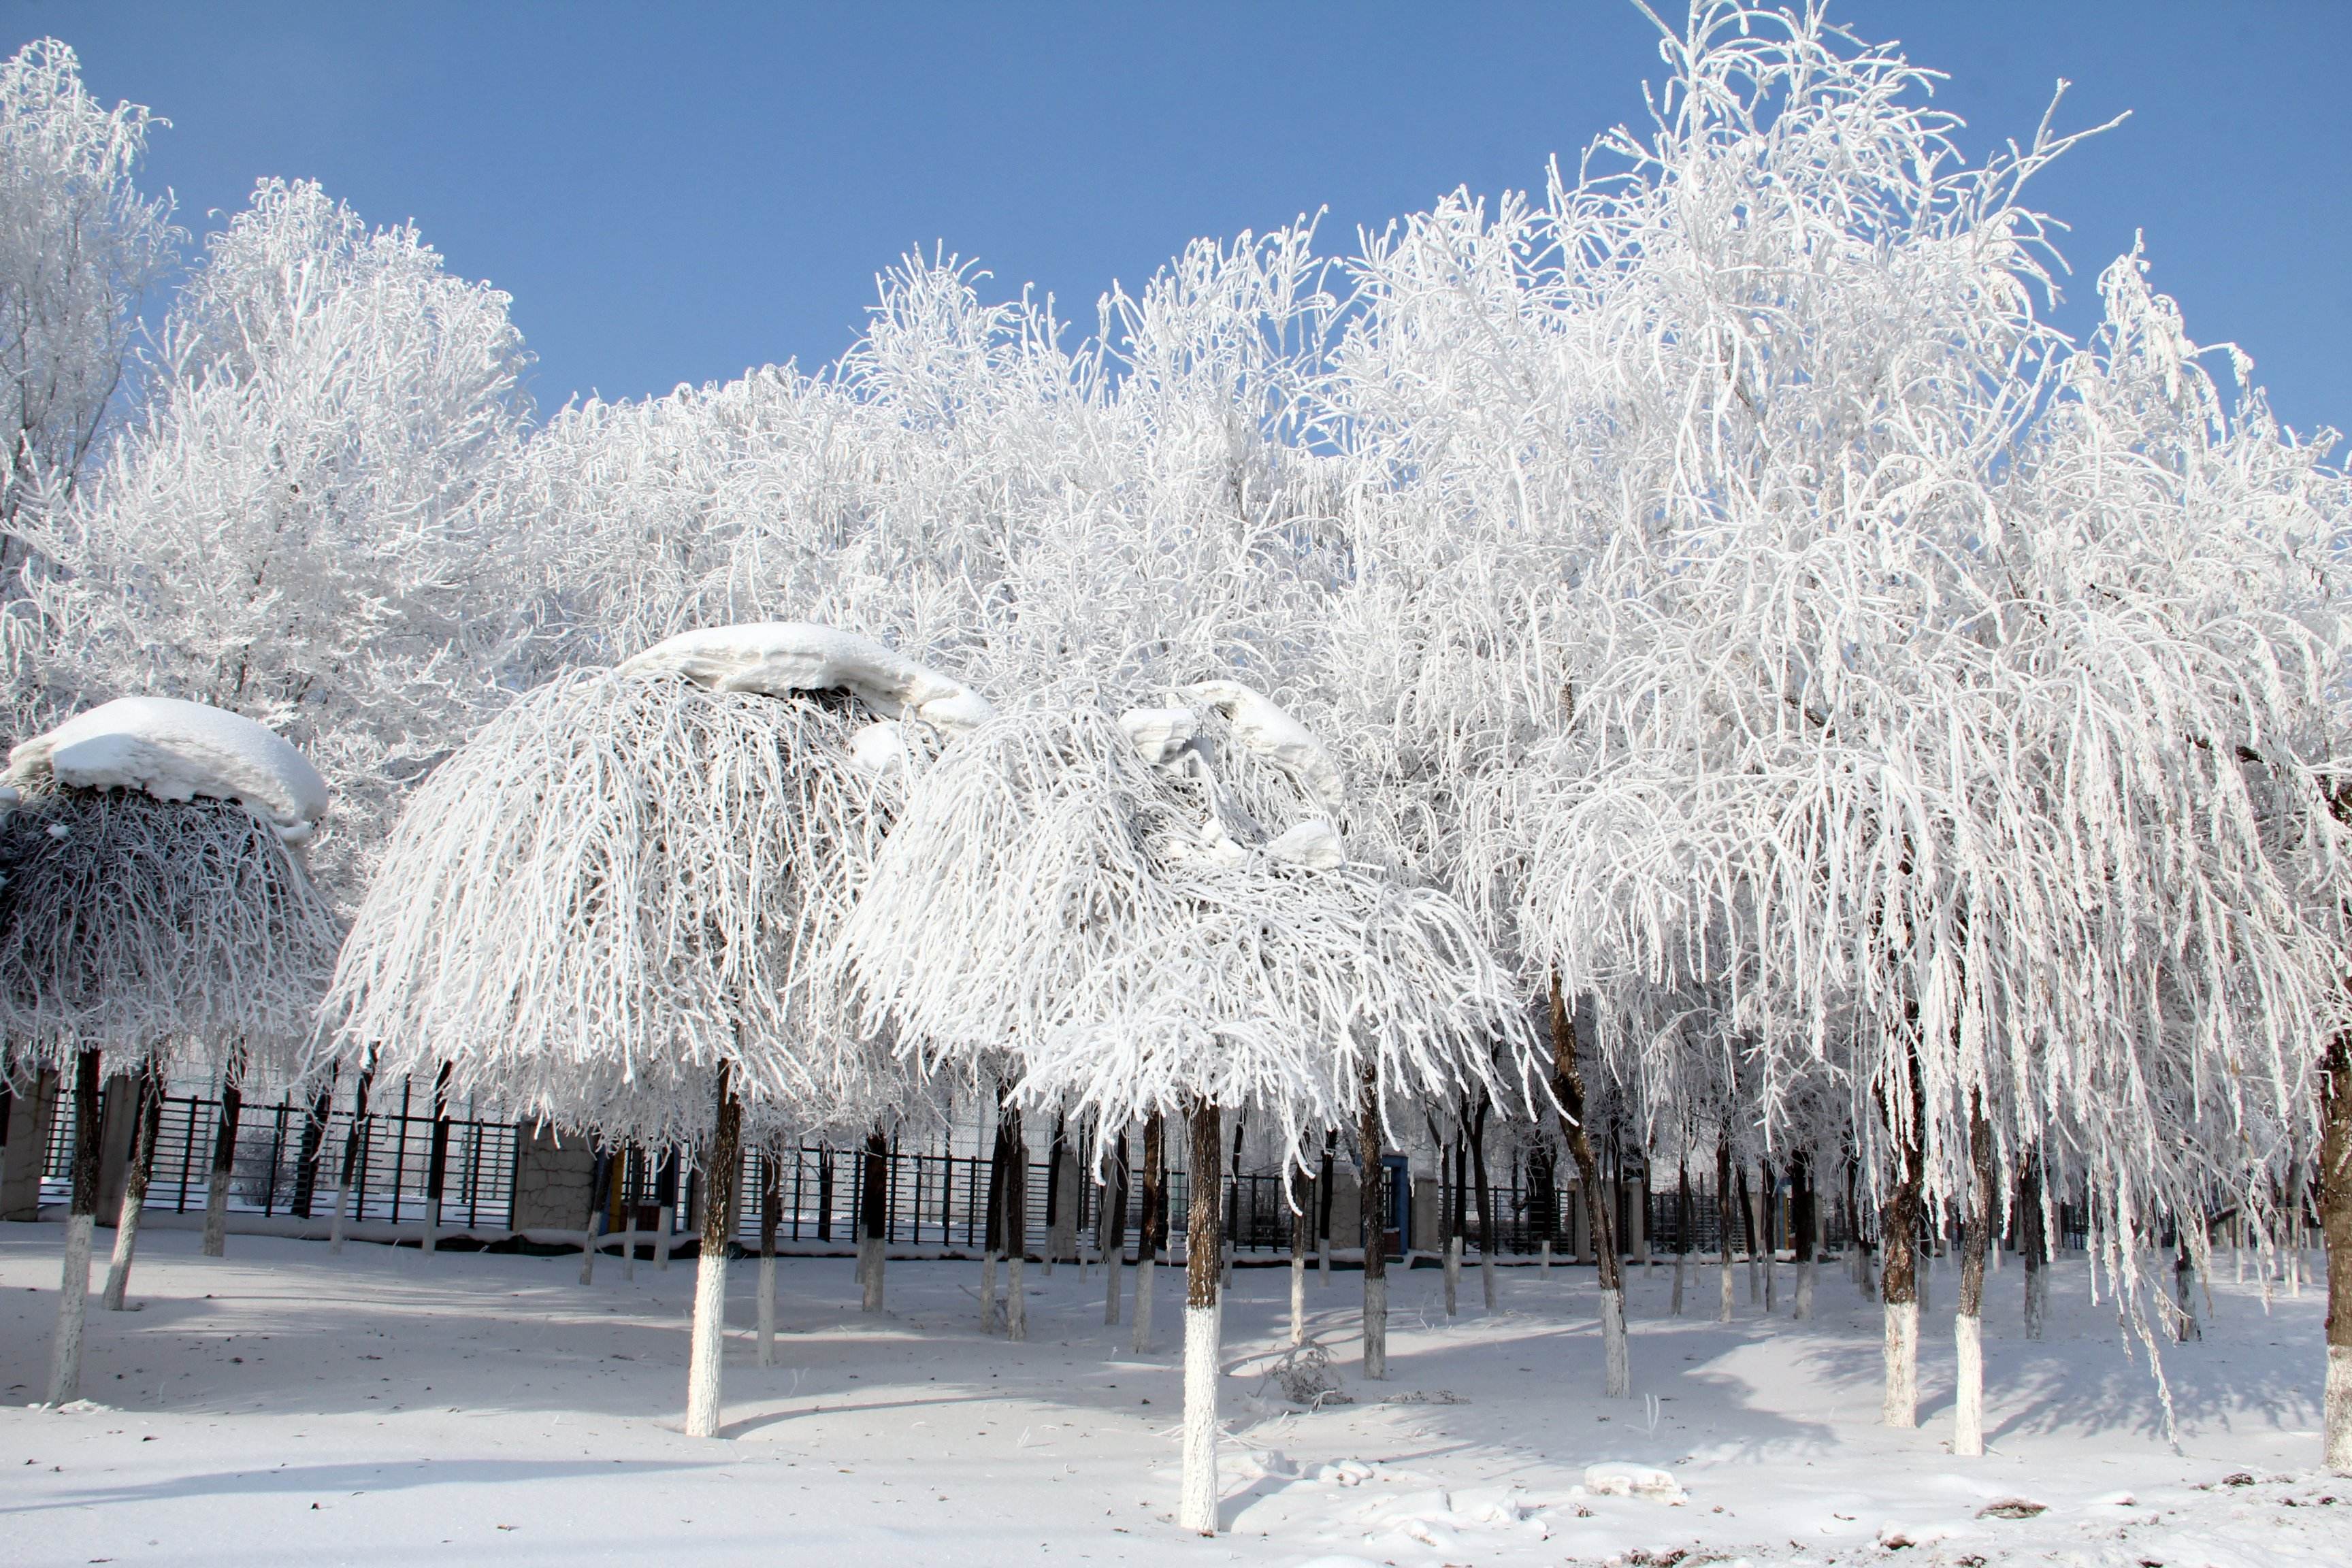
(289, 1161)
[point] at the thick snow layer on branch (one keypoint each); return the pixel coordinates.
(1264, 727)
(178, 750)
(777, 658)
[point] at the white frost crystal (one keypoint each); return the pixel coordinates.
(1266, 728)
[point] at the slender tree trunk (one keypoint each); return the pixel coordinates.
(1723, 1234)
(1682, 1228)
(1804, 1212)
(999, 1159)
(1016, 1236)
(437, 1165)
(2034, 1246)
(596, 1163)
(1061, 1206)
(1747, 1234)
(2336, 1227)
(1202, 1251)
(1968, 1326)
(2184, 1289)
(1151, 1229)
(874, 1223)
(772, 1203)
(1484, 1193)
(1454, 1161)
(1298, 1234)
(216, 1242)
(81, 1221)
(150, 1112)
(1568, 1087)
(1898, 1225)
(1113, 1242)
(352, 1140)
(1372, 1186)
(1768, 1193)
(721, 1164)
(665, 1207)
(633, 1171)
(314, 1138)
(1323, 1207)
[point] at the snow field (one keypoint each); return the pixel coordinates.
(284, 1404)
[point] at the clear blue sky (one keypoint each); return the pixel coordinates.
(674, 194)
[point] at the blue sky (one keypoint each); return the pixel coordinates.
(674, 194)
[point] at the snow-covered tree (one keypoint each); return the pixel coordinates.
(296, 528)
(78, 244)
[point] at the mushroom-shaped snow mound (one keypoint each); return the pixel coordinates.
(777, 658)
(177, 751)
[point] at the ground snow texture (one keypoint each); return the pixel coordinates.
(283, 1405)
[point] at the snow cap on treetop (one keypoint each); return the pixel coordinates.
(177, 751)
(1261, 724)
(777, 658)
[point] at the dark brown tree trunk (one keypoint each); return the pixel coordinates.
(148, 1106)
(874, 1220)
(1372, 1189)
(2336, 1229)
(2033, 1244)
(1898, 1228)
(1151, 1225)
(1568, 1088)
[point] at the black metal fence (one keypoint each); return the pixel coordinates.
(289, 1161)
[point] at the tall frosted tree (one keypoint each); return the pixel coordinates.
(79, 243)
(297, 527)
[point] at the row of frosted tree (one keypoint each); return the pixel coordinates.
(1690, 647)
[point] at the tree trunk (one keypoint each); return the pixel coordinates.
(436, 1164)
(1203, 1250)
(1372, 1185)
(1767, 1205)
(1747, 1235)
(720, 1164)
(1323, 1207)
(1299, 1235)
(1568, 1087)
(597, 1164)
(2336, 1227)
(1484, 1193)
(664, 1207)
(1454, 1161)
(2184, 1291)
(873, 1222)
(1723, 1238)
(999, 1158)
(772, 1203)
(314, 1138)
(1112, 1243)
(2034, 1246)
(1061, 1207)
(632, 1199)
(216, 1242)
(1682, 1228)
(1804, 1210)
(150, 1112)
(1152, 1225)
(81, 1221)
(1967, 1325)
(1016, 1236)
(353, 1140)
(1898, 1228)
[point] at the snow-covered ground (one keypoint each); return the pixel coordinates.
(284, 1405)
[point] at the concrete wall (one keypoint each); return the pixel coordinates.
(552, 1179)
(30, 1111)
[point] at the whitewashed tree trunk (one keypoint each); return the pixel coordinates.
(1197, 1507)
(991, 1321)
(216, 1242)
(1141, 1342)
(81, 1221)
(2335, 1230)
(1901, 1353)
(1615, 1344)
(1110, 1231)
(721, 1164)
(1016, 1300)
(1451, 1273)
(1298, 1233)
(1543, 1262)
(1805, 1273)
(588, 1221)
(2184, 1293)
(148, 1106)
(1968, 1323)
(874, 1220)
(430, 1239)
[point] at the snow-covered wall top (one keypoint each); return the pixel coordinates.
(177, 751)
(776, 658)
